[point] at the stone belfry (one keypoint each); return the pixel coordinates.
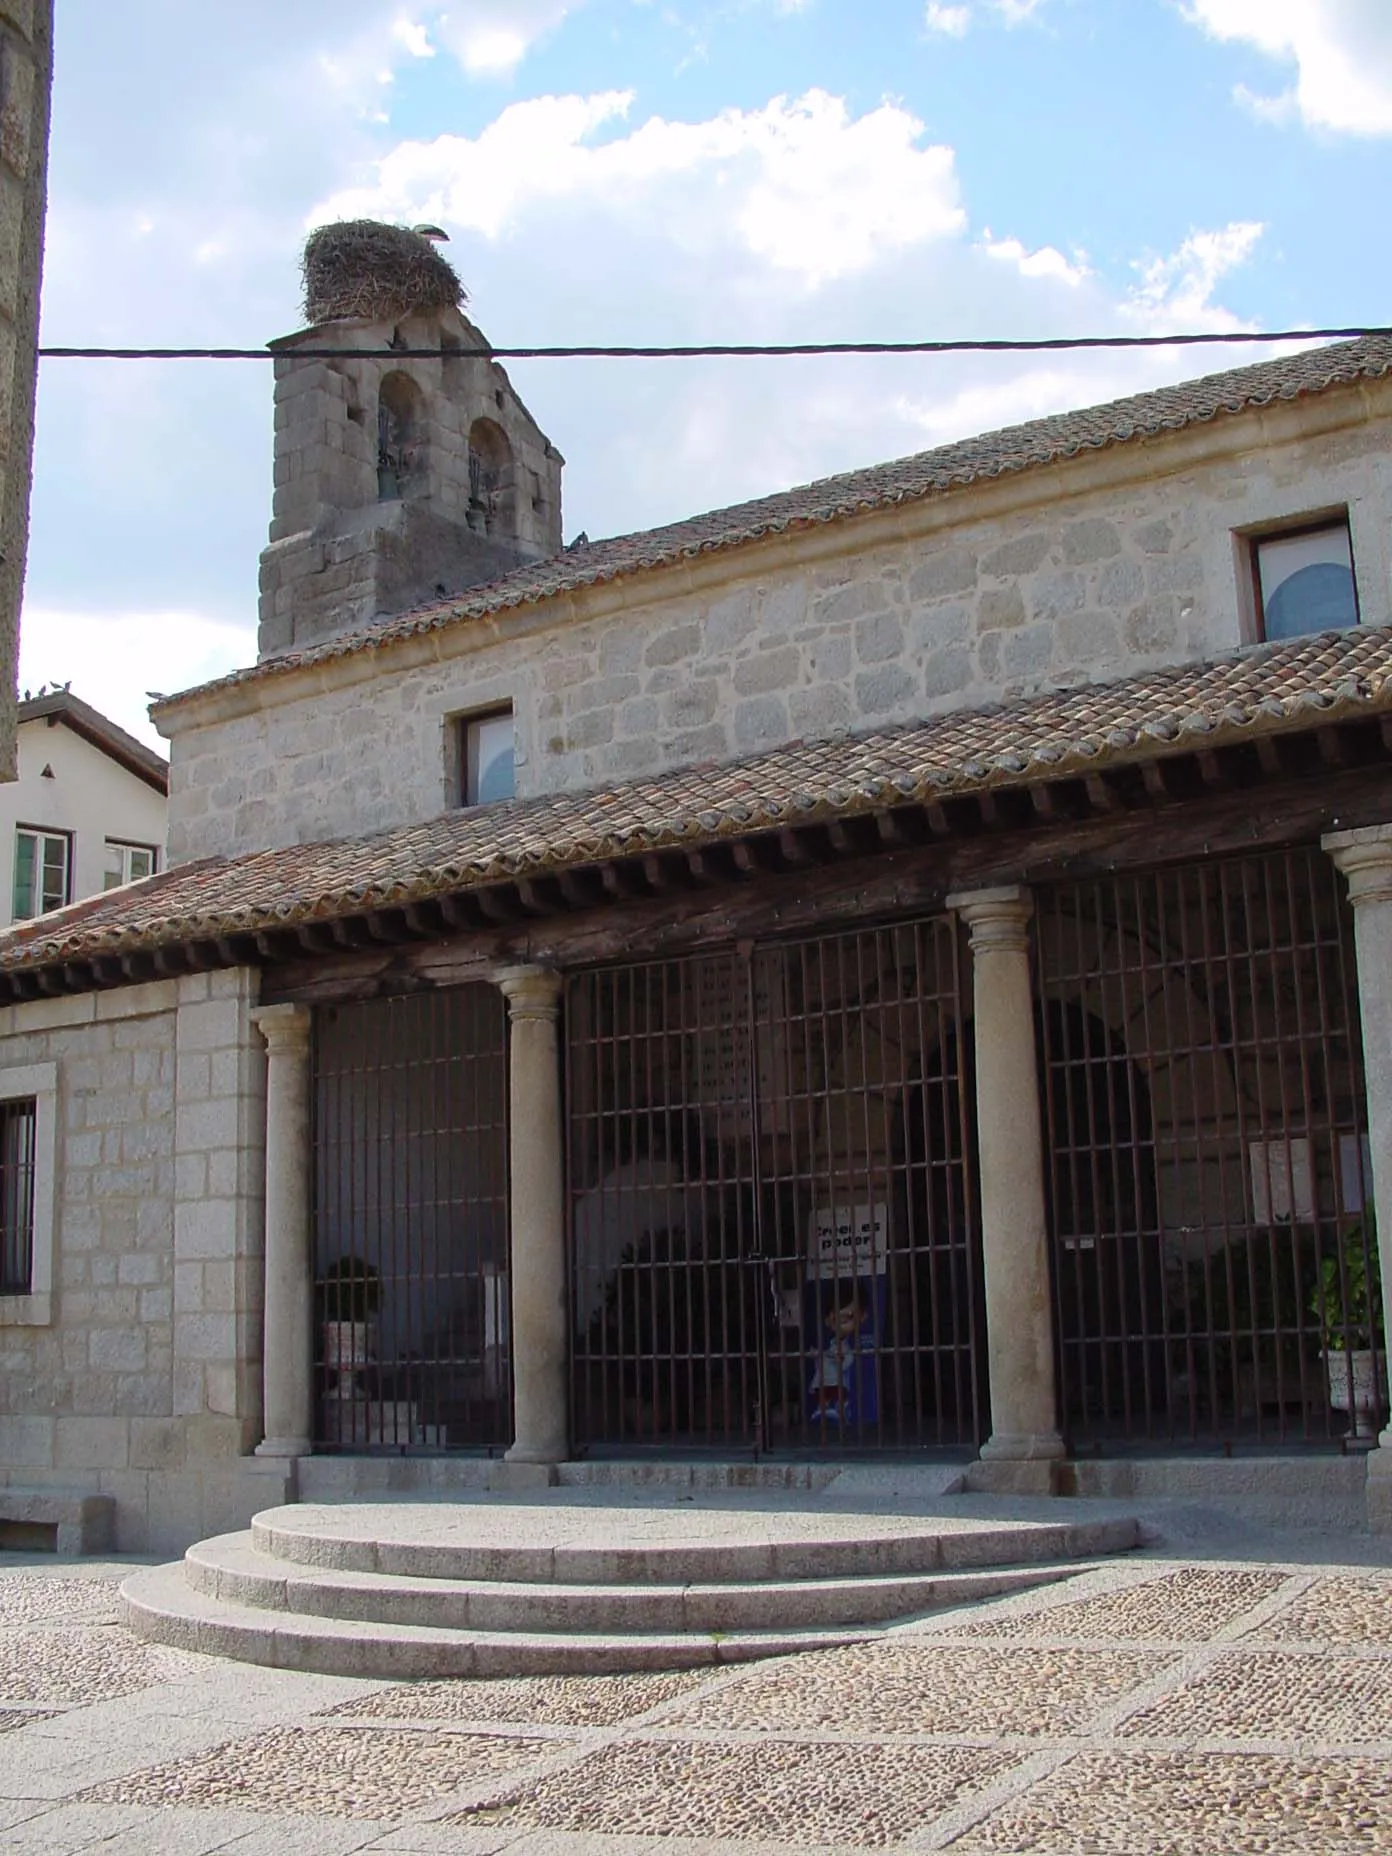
(398, 481)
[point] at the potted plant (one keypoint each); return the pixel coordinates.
(350, 1294)
(1347, 1302)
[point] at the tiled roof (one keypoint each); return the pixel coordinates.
(1275, 688)
(928, 473)
(101, 731)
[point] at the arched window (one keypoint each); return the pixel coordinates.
(492, 509)
(400, 440)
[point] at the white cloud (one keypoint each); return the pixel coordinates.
(952, 21)
(113, 659)
(1046, 262)
(955, 21)
(490, 38)
(1342, 51)
(803, 185)
(1175, 293)
(412, 36)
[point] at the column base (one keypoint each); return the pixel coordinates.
(284, 1446)
(1022, 1447)
(536, 1453)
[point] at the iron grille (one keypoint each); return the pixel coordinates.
(411, 1223)
(773, 1235)
(1204, 1102)
(17, 1121)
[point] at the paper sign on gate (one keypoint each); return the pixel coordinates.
(849, 1241)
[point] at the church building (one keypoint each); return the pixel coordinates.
(900, 969)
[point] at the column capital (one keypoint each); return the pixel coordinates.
(531, 992)
(998, 918)
(284, 1027)
(1365, 857)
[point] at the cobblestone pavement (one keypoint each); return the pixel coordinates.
(1193, 1706)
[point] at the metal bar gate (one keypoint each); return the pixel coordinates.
(411, 1223)
(1215, 1263)
(773, 1233)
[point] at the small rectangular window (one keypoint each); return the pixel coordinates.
(1304, 581)
(43, 862)
(127, 863)
(17, 1123)
(488, 757)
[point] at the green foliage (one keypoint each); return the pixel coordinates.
(351, 1290)
(1347, 1297)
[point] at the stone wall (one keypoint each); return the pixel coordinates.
(26, 74)
(987, 595)
(146, 1382)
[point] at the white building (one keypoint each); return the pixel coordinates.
(88, 811)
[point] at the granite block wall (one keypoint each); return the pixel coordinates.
(1145, 568)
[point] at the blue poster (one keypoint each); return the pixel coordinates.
(844, 1321)
(844, 1314)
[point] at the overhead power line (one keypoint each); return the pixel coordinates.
(717, 350)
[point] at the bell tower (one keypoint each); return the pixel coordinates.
(398, 481)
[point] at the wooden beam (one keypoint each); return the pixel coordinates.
(498, 905)
(1153, 773)
(532, 894)
(1102, 794)
(1333, 748)
(580, 889)
(424, 919)
(795, 848)
(622, 881)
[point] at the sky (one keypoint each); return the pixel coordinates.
(659, 171)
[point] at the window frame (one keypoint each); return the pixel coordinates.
(42, 832)
(464, 725)
(1253, 541)
(36, 1082)
(126, 845)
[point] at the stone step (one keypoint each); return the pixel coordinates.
(232, 1568)
(667, 1544)
(163, 1607)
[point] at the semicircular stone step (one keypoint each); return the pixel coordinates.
(232, 1568)
(662, 1544)
(161, 1606)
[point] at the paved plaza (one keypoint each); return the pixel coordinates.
(1219, 1696)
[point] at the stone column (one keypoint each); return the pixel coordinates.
(540, 1364)
(288, 1370)
(1365, 857)
(1014, 1232)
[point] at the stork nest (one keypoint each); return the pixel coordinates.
(360, 268)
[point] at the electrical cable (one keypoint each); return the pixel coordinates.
(718, 350)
